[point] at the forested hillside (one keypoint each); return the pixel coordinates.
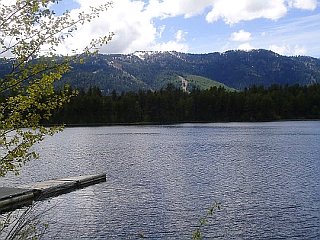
(171, 105)
(154, 70)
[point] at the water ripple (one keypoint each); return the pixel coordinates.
(161, 180)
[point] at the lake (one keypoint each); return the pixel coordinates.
(162, 179)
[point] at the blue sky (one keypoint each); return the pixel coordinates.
(288, 27)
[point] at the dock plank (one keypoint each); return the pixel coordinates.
(7, 192)
(9, 197)
(14, 197)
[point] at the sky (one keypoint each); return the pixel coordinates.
(288, 27)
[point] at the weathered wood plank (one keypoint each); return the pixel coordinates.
(12, 197)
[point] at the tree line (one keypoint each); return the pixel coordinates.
(172, 105)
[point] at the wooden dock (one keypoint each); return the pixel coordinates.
(11, 198)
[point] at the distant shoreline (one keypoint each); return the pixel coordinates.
(173, 123)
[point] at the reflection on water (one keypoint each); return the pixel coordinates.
(161, 179)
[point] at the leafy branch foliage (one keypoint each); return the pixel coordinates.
(198, 234)
(30, 35)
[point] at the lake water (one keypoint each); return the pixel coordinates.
(162, 179)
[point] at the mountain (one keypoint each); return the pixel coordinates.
(154, 70)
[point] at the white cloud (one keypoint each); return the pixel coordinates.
(170, 46)
(298, 36)
(245, 47)
(161, 29)
(133, 26)
(232, 12)
(240, 36)
(180, 36)
(303, 4)
(135, 22)
(133, 29)
(288, 50)
(172, 8)
(178, 44)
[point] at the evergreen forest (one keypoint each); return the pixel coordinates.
(172, 105)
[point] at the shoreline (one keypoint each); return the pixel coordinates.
(172, 123)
